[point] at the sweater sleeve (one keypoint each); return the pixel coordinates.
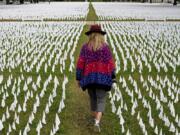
(80, 64)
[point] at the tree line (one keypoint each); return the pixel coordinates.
(37, 1)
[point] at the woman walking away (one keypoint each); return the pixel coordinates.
(95, 71)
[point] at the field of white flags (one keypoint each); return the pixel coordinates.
(146, 96)
(119, 11)
(46, 11)
(37, 68)
(34, 62)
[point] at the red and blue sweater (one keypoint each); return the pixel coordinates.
(95, 69)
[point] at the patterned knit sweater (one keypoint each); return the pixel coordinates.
(95, 69)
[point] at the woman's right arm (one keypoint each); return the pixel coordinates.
(80, 65)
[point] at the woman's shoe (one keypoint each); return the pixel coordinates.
(90, 122)
(97, 128)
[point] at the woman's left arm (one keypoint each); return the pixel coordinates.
(112, 64)
(113, 68)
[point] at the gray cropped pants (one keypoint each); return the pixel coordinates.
(97, 99)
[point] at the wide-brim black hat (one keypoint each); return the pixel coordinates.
(95, 28)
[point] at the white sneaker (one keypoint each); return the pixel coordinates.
(97, 128)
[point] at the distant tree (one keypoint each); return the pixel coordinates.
(175, 2)
(21, 1)
(7, 2)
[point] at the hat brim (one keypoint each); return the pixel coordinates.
(89, 32)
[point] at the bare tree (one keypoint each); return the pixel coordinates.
(175, 2)
(7, 2)
(21, 1)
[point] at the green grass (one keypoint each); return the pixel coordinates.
(92, 14)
